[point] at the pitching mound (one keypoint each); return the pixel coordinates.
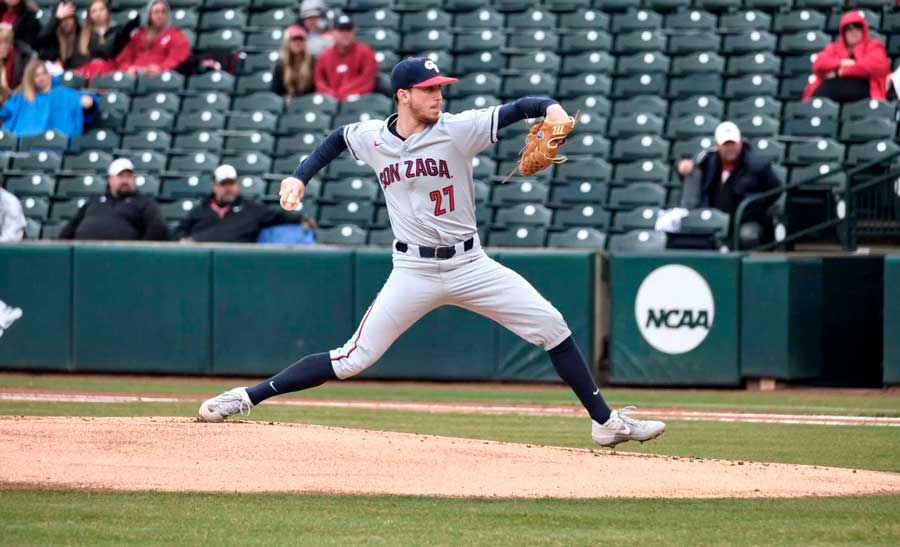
(179, 454)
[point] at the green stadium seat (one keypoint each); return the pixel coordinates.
(386, 60)
(481, 83)
(640, 40)
(31, 185)
(769, 149)
(868, 109)
(8, 141)
(640, 218)
(254, 83)
(868, 129)
(645, 170)
(628, 125)
(792, 87)
(272, 4)
(667, 5)
(252, 121)
(819, 175)
(584, 84)
(518, 236)
(196, 162)
(751, 85)
(168, 81)
(698, 63)
(639, 84)
(583, 19)
(350, 190)
(51, 230)
(211, 82)
(766, 106)
(380, 38)
(483, 167)
(702, 104)
(744, 21)
(587, 144)
(178, 209)
(617, 5)
(579, 169)
(378, 105)
(200, 140)
(433, 38)
(597, 62)
(97, 139)
(277, 18)
(472, 102)
(868, 152)
(587, 215)
(579, 41)
(296, 144)
(797, 65)
(803, 42)
(798, 20)
(313, 102)
(534, 83)
(147, 184)
(691, 126)
(73, 80)
(202, 120)
(169, 102)
(818, 106)
(520, 192)
(32, 229)
(768, 5)
(151, 119)
(346, 167)
(482, 192)
(542, 40)
(230, 39)
(186, 186)
(479, 62)
(636, 195)
(344, 234)
(690, 148)
(256, 141)
(639, 147)
(212, 100)
(592, 104)
(381, 237)
(874, 19)
(811, 127)
(695, 84)
(579, 193)
(758, 126)
(632, 20)
(148, 139)
(285, 165)
(114, 81)
(565, 6)
(643, 104)
(643, 63)
(376, 18)
(36, 207)
(483, 18)
(761, 62)
(222, 4)
(890, 24)
(532, 19)
(265, 101)
(64, 210)
(578, 238)
(48, 140)
(637, 241)
(748, 42)
(249, 162)
(691, 20)
(710, 223)
(694, 42)
(37, 162)
(821, 5)
(359, 213)
(147, 161)
(823, 150)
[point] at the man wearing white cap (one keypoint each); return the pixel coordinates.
(226, 216)
(723, 179)
(121, 213)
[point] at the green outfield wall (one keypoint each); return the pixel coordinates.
(892, 320)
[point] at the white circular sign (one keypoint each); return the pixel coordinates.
(674, 309)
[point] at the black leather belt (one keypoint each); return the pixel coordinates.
(441, 253)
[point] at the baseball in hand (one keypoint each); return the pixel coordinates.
(291, 193)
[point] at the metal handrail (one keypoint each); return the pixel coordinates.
(753, 198)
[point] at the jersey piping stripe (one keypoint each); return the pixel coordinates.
(349, 147)
(494, 116)
(358, 334)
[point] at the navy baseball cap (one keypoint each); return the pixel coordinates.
(417, 72)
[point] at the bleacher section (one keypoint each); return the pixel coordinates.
(650, 79)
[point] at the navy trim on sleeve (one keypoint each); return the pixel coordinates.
(521, 109)
(326, 151)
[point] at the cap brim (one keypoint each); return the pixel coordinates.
(437, 80)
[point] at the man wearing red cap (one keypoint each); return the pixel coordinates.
(347, 69)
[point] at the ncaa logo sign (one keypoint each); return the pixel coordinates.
(674, 309)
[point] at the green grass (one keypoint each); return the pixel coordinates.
(99, 518)
(840, 446)
(787, 401)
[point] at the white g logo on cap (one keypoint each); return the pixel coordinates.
(429, 64)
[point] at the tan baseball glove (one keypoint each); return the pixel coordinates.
(542, 145)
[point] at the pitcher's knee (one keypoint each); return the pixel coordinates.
(551, 329)
(350, 360)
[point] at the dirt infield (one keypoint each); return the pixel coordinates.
(179, 454)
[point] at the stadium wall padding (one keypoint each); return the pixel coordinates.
(892, 320)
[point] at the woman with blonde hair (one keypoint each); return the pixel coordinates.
(39, 106)
(293, 71)
(14, 57)
(99, 41)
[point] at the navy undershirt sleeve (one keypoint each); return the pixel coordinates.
(521, 109)
(327, 150)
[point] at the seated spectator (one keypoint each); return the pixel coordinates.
(40, 106)
(12, 219)
(14, 57)
(98, 42)
(122, 213)
(226, 216)
(293, 71)
(853, 67)
(57, 41)
(349, 68)
(22, 15)
(156, 48)
(722, 180)
(312, 19)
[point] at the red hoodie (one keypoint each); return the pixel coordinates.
(871, 60)
(169, 49)
(353, 73)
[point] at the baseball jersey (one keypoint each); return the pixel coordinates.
(427, 178)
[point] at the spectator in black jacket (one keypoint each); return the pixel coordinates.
(22, 15)
(293, 72)
(58, 39)
(721, 180)
(98, 42)
(14, 57)
(226, 216)
(122, 213)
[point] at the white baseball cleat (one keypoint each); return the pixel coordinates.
(222, 406)
(621, 427)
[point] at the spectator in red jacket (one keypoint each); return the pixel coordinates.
(853, 67)
(156, 48)
(347, 69)
(22, 15)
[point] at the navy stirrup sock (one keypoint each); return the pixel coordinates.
(570, 366)
(311, 371)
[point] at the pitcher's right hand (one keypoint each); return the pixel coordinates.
(292, 190)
